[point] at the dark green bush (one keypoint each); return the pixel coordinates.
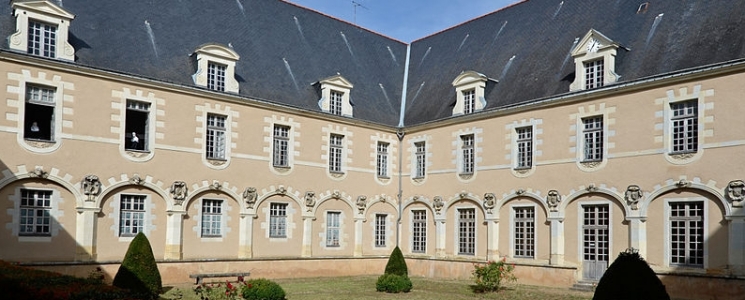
(396, 263)
(393, 283)
(138, 271)
(630, 277)
(262, 289)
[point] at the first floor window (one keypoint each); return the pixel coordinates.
(336, 145)
(421, 160)
(380, 230)
(524, 143)
(211, 218)
(215, 145)
(524, 232)
(136, 125)
(42, 39)
(687, 233)
(216, 76)
(332, 228)
(593, 138)
(467, 153)
(281, 146)
(467, 231)
(35, 208)
(39, 113)
(684, 121)
(419, 231)
(382, 159)
(132, 214)
(278, 220)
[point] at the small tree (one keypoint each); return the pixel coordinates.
(138, 271)
(630, 277)
(396, 277)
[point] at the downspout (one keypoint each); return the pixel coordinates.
(400, 134)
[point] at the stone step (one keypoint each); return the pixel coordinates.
(585, 286)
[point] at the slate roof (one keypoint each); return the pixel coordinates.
(668, 37)
(275, 40)
(285, 48)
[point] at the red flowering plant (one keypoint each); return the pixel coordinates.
(215, 291)
(489, 277)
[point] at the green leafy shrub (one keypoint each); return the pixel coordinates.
(138, 271)
(396, 263)
(215, 291)
(489, 277)
(630, 277)
(262, 289)
(393, 283)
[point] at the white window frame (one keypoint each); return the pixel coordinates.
(216, 136)
(419, 231)
(380, 233)
(336, 153)
(40, 97)
(132, 214)
(211, 56)
(469, 101)
(335, 103)
(469, 92)
(336, 96)
(528, 223)
(35, 215)
(333, 229)
(668, 232)
(524, 147)
(684, 126)
(595, 62)
(382, 159)
(278, 220)
(580, 231)
(468, 154)
(593, 138)
(212, 217)
(137, 107)
(420, 159)
(216, 76)
(466, 231)
(42, 39)
(594, 73)
(281, 146)
(44, 13)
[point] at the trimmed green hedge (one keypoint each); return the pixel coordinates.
(138, 271)
(396, 263)
(630, 277)
(262, 289)
(393, 283)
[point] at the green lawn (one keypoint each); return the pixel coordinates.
(363, 287)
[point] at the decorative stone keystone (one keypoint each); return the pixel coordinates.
(136, 180)
(281, 190)
(682, 183)
(38, 172)
(520, 192)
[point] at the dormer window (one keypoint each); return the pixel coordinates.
(469, 91)
(595, 61)
(216, 68)
(335, 96)
(42, 30)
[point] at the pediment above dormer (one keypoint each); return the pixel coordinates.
(217, 50)
(469, 77)
(593, 42)
(337, 81)
(43, 7)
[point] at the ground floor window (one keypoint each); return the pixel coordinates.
(36, 207)
(687, 233)
(467, 231)
(419, 231)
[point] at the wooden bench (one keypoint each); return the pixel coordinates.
(201, 276)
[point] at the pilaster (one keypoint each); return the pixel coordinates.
(307, 250)
(85, 233)
(638, 234)
(492, 239)
(440, 238)
(245, 242)
(174, 231)
(358, 236)
(557, 241)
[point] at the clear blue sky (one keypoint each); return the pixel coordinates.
(405, 20)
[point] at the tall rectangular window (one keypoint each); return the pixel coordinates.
(336, 145)
(216, 76)
(382, 159)
(468, 153)
(687, 233)
(524, 232)
(215, 137)
(333, 227)
(211, 218)
(35, 209)
(469, 101)
(136, 125)
(131, 214)
(524, 143)
(421, 160)
(380, 230)
(281, 146)
(42, 39)
(594, 74)
(278, 220)
(467, 231)
(593, 138)
(419, 231)
(39, 113)
(335, 103)
(684, 121)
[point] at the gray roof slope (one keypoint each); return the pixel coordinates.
(115, 35)
(540, 35)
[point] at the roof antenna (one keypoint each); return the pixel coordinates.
(355, 4)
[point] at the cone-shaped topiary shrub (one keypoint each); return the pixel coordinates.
(630, 277)
(138, 271)
(396, 277)
(396, 263)
(262, 289)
